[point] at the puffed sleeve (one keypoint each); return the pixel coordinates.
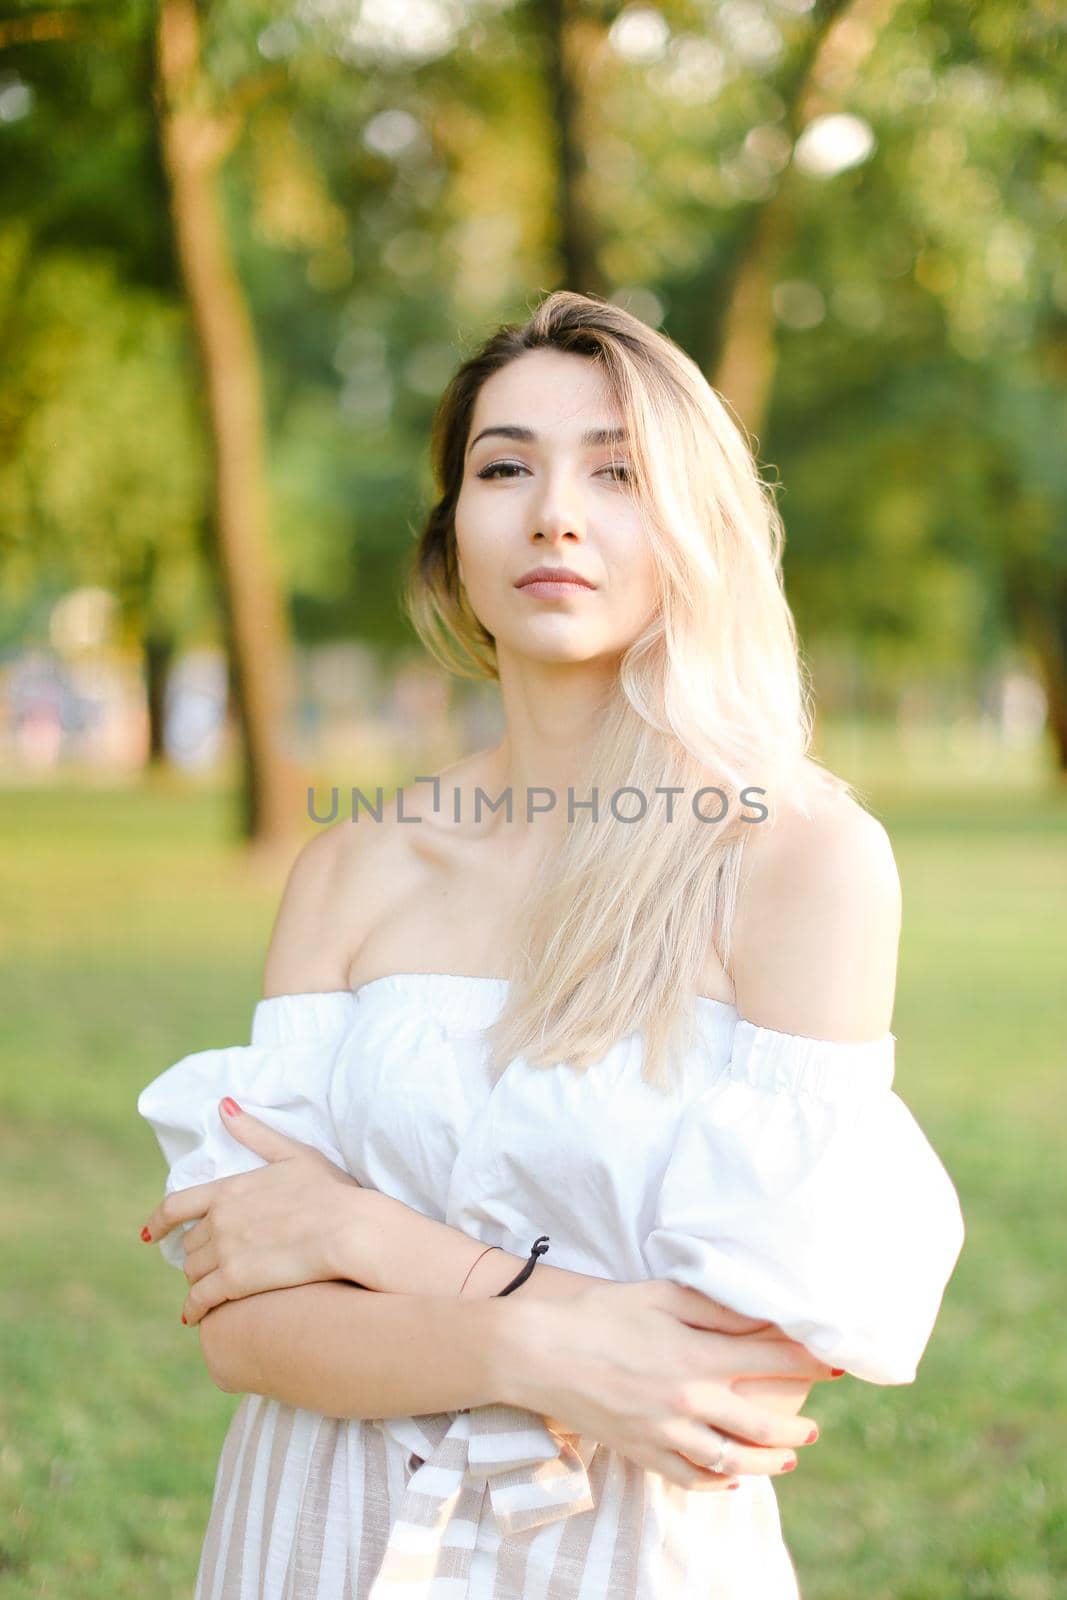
(802, 1191)
(283, 1077)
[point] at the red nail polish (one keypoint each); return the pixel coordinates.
(812, 1436)
(837, 1372)
(145, 1235)
(184, 1319)
(731, 1486)
(789, 1465)
(231, 1108)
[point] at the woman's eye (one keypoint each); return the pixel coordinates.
(510, 468)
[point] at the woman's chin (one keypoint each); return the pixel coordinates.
(558, 650)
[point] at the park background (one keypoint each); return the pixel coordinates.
(242, 248)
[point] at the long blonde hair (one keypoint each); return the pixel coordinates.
(713, 692)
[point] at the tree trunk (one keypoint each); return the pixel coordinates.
(741, 349)
(158, 654)
(747, 347)
(1041, 618)
(193, 140)
(569, 44)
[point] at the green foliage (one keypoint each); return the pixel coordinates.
(390, 197)
(106, 481)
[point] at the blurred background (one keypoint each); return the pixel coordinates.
(242, 248)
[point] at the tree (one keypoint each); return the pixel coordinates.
(194, 138)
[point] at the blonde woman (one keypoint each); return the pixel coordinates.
(640, 1014)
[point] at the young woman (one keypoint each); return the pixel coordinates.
(642, 1012)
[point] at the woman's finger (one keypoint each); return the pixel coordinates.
(782, 1358)
(712, 1406)
(198, 1263)
(207, 1293)
(698, 1310)
(703, 1446)
(258, 1135)
(674, 1467)
(198, 1235)
(183, 1205)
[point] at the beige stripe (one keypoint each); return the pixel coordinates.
(522, 1497)
(302, 1579)
(572, 1553)
(279, 1449)
(405, 1566)
(626, 1557)
(512, 1559)
(452, 1563)
(306, 1425)
(233, 1558)
(377, 1512)
(254, 1525)
(333, 1577)
(499, 1418)
(422, 1509)
(229, 1457)
(536, 1475)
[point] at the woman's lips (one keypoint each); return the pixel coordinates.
(554, 589)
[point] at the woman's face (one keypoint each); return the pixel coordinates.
(551, 498)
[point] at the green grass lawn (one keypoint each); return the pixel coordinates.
(131, 934)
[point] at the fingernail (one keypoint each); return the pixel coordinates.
(184, 1319)
(733, 1486)
(231, 1108)
(790, 1464)
(837, 1372)
(145, 1235)
(812, 1436)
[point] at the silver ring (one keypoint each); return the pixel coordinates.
(717, 1464)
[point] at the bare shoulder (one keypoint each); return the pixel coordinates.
(307, 948)
(818, 923)
(330, 900)
(839, 846)
(347, 878)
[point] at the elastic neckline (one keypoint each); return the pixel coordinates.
(473, 1001)
(468, 1002)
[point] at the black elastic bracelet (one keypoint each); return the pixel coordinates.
(538, 1249)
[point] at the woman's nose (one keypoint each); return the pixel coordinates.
(559, 510)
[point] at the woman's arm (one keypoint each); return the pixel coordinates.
(298, 1346)
(397, 1250)
(345, 1352)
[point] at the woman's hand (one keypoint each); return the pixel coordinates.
(651, 1368)
(300, 1219)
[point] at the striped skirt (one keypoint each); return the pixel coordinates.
(465, 1506)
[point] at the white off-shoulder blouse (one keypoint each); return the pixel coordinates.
(781, 1175)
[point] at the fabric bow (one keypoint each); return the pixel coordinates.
(533, 1474)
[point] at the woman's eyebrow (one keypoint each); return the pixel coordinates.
(505, 430)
